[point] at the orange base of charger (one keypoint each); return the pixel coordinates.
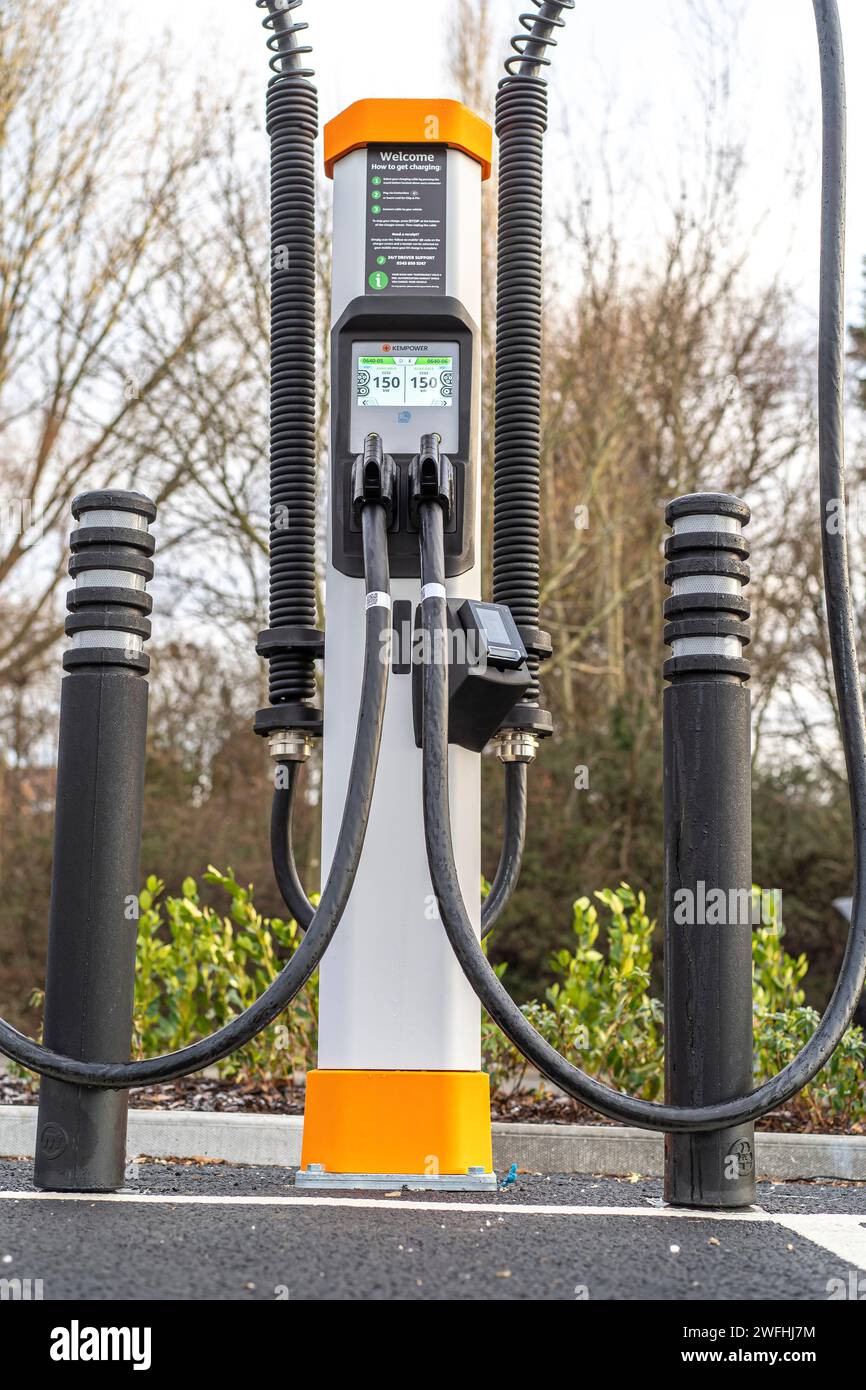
(424, 1123)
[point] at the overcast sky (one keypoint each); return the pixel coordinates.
(622, 67)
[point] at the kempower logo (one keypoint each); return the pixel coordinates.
(77, 1343)
(405, 347)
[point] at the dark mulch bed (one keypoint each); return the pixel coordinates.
(190, 1093)
(207, 1094)
(533, 1108)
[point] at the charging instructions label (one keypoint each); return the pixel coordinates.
(407, 202)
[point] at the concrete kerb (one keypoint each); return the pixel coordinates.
(275, 1141)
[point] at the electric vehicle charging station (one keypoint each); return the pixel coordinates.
(398, 1095)
(399, 1089)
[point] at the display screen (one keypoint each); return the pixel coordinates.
(405, 380)
(403, 388)
(494, 627)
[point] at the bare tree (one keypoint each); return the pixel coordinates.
(107, 292)
(133, 352)
(669, 367)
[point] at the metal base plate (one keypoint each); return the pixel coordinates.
(416, 1182)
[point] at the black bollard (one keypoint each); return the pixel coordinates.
(708, 847)
(81, 1136)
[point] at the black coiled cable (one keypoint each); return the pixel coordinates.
(510, 863)
(501, 891)
(292, 890)
(293, 124)
(530, 48)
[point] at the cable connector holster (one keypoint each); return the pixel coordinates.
(431, 479)
(374, 479)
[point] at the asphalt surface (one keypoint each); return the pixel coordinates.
(212, 1244)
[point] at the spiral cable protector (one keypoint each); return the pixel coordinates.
(293, 125)
(521, 120)
(530, 48)
(282, 45)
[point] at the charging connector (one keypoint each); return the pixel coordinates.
(431, 479)
(374, 479)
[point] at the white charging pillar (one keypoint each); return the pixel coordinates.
(398, 1089)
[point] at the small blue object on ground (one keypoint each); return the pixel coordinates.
(510, 1177)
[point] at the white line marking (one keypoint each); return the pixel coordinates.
(842, 1235)
(383, 1204)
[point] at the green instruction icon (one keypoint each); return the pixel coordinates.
(379, 280)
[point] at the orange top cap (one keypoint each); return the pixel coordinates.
(409, 121)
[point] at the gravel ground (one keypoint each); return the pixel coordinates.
(361, 1250)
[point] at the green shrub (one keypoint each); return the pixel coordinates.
(601, 1014)
(601, 1001)
(197, 969)
(776, 976)
(837, 1094)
